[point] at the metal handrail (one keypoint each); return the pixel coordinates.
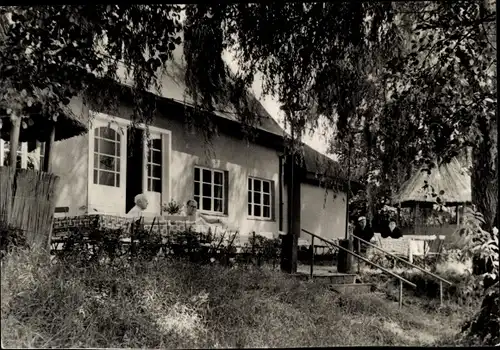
(403, 260)
(362, 258)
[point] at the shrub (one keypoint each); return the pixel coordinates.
(484, 328)
(11, 237)
(172, 207)
(262, 248)
(84, 246)
(479, 245)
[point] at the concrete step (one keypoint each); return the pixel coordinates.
(352, 288)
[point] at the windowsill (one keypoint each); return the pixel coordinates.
(259, 219)
(208, 213)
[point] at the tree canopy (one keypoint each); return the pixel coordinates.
(403, 82)
(50, 54)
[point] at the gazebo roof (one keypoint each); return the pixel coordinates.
(68, 124)
(450, 181)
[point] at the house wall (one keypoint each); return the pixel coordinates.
(70, 163)
(227, 153)
(322, 212)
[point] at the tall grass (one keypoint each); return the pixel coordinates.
(162, 304)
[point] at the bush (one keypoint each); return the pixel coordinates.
(11, 237)
(83, 246)
(484, 328)
(172, 207)
(262, 249)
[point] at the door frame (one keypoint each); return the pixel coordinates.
(152, 134)
(101, 118)
(125, 123)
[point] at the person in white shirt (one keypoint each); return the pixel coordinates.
(192, 212)
(141, 203)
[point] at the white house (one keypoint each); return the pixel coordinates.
(245, 183)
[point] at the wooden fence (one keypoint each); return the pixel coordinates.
(27, 202)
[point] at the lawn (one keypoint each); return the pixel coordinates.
(165, 304)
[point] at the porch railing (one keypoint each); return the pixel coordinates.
(401, 279)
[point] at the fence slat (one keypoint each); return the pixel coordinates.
(28, 202)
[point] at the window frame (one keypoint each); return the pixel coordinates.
(148, 159)
(116, 156)
(23, 152)
(251, 191)
(200, 196)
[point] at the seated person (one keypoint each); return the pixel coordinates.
(392, 231)
(136, 213)
(192, 212)
(364, 231)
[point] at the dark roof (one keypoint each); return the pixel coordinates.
(68, 124)
(451, 178)
(323, 170)
(173, 88)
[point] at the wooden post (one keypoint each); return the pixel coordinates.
(399, 214)
(440, 293)
(49, 144)
(458, 215)
(400, 294)
(359, 252)
(15, 131)
(348, 192)
(415, 218)
(312, 256)
(440, 247)
(290, 240)
(253, 246)
(349, 258)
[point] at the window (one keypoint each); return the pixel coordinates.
(29, 154)
(209, 186)
(33, 155)
(259, 198)
(6, 154)
(154, 166)
(106, 157)
(42, 154)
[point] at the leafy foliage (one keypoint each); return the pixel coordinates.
(11, 237)
(172, 207)
(476, 243)
(50, 54)
(302, 50)
(484, 328)
(262, 248)
(401, 82)
(91, 247)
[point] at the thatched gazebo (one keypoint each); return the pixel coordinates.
(451, 184)
(27, 197)
(44, 129)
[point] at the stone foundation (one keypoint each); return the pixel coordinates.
(162, 226)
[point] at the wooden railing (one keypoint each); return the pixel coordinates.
(440, 279)
(401, 279)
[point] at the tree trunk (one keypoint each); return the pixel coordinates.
(484, 174)
(14, 141)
